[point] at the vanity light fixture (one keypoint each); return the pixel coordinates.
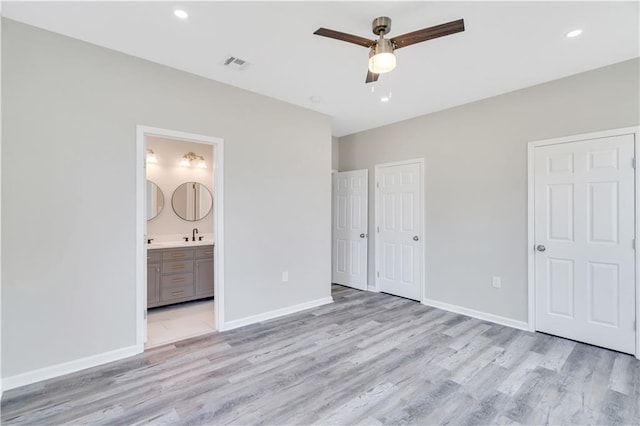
(190, 157)
(151, 157)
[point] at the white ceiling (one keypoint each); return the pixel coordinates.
(506, 46)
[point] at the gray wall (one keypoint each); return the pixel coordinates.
(335, 153)
(476, 177)
(70, 111)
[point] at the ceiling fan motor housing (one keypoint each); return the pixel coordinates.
(381, 25)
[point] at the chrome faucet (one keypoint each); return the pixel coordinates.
(193, 234)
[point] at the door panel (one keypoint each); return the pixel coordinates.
(350, 222)
(560, 212)
(603, 212)
(399, 227)
(153, 284)
(204, 277)
(584, 217)
(561, 286)
(603, 293)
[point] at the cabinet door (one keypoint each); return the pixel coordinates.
(153, 284)
(204, 277)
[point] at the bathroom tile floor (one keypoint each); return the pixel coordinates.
(169, 324)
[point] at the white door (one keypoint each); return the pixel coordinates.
(584, 230)
(350, 210)
(399, 219)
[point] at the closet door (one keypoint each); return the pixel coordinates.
(350, 228)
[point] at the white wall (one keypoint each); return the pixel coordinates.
(70, 111)
(476, 177)
(168, 174)
(335, 153)
(1, 387)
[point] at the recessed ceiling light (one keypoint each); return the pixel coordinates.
(574, 33)
(384, 99)
(316, 99)
(181, 14)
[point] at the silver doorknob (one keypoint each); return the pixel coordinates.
(415, 238)
(361, 235)
(541, 247)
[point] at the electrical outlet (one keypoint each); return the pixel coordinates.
(496, 282)
(285, 276)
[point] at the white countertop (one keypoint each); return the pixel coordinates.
(178, 244)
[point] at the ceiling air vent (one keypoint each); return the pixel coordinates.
(235, 63)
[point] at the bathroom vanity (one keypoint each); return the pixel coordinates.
(179, 274)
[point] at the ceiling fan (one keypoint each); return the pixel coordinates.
(381, 56)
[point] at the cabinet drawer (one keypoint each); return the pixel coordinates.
(177, 266)
(177, 280)
(175, 292)
(204, 252)
(153, 256)
(178, 254)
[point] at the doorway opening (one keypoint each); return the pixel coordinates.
(180, 247)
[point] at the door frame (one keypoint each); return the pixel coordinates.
(635, 130)
(141, 222)
(376, 224)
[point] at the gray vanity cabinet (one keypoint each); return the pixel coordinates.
(204, 271)
(177, 275)
(153, 278)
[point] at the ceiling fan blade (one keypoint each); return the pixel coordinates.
(371, 77)
(430, 33)
(349, 38)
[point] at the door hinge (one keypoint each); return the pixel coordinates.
(633, 162)
(633, 243)
(378, 228)
(377, 184)
(378, 274)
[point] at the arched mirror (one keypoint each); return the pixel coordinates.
(155, 200)
(192, 201)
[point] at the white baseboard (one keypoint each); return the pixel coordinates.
(509, 322)
(230, 325)
(67, 367)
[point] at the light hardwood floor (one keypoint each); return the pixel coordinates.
(366, 359)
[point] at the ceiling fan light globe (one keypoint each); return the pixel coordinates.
(382, 63)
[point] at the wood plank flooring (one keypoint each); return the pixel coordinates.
(366, 359)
